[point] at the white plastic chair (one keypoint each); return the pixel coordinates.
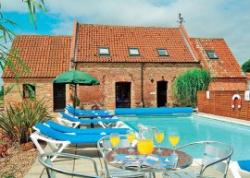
(215, 154)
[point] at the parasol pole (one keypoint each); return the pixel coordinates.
(75, 93)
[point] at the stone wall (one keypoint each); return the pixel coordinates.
(110, 73)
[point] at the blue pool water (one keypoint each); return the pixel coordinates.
(195, 128)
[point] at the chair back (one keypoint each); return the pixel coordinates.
(216, 154)
(53, 169)
(104, 146)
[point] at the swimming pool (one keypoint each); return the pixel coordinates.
(196, 128)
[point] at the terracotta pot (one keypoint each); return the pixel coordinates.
(27, 146)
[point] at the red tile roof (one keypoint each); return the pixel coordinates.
(225, 66)
(46, 56)
(120, 38)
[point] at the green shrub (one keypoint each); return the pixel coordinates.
(246, 66)
(17, 121)
(186, 85)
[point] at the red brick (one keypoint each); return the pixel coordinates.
(220, 104)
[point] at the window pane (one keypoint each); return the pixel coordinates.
(211, 54)
(134, 51)
(162, 52)
(29, 91)
(104, 51)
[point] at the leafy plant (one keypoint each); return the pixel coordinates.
(17, 121)
(246, 66)
(7, 35)
(11, 58)
(186, 85)
(8, 175)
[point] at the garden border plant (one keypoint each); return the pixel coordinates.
(186, 85)
(17, 121)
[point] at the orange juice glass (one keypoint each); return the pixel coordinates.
(114, 140)
(131, 137)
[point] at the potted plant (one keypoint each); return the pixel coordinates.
(17, 121)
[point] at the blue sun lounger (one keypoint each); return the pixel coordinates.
(58, 141)
(93, 131)
(104, 122)
(72, 138)
(239, 167)
(87, 113)
(244, 165)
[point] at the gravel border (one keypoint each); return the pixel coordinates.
(17, 163)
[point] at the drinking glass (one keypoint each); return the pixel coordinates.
(174, 140)
(131, 137)
(114, 141)
(159, 137)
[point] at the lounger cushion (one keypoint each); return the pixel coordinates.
(244, 165)
(88, 113)
(74, 139)
(92, 131)
(90, 121)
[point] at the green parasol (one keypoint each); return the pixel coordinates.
(76, 77)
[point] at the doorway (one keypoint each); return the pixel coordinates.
(161, 93)
(123, 94)
(59, 97)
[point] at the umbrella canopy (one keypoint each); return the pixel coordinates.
(76, 77)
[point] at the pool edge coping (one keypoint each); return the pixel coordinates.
(224, 118)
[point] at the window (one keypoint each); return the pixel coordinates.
(29, 91)
(103, 51)
(211, 54)
(134, 52)
(162, 52)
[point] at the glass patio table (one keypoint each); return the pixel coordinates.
(166, 161)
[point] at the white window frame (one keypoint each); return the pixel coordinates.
(215, 56)
(103, 51)
(134, 51)
(162, 49)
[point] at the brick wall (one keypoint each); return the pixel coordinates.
(228, 84)
(110, 73)
(44, 90)
(220, 104)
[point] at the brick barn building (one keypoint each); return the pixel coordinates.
(136, 66)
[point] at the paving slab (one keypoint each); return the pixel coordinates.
(83, 166)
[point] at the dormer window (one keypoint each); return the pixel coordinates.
(103, 51)
(211, 54)
(133, 52)
(162, 52)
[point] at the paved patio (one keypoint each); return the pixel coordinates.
(83, 166)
